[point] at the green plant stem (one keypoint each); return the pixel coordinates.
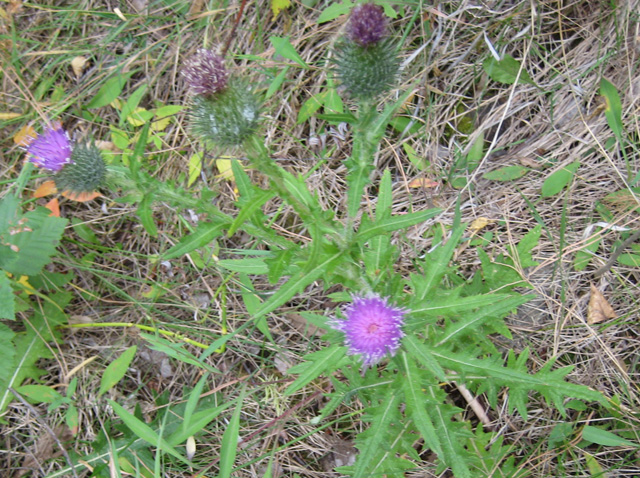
(22, 179)
(310, 214)
(147, 328)
(360, 164)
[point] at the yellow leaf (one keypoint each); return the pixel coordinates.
(24, 136)
(478, 224)
(278, 5)
(161, 123)
(135, 119)
(24, 282)
(8, 116)
(195, 168)
(78, 64)
(224, 167)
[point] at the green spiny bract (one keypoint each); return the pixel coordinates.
(366, 72)
(228, 117)
(85, 173)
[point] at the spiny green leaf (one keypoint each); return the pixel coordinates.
(315, 365)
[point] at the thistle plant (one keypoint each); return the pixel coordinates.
(79, 168)
(225, 110)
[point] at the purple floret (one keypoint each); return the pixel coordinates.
(50, 150)
(372, 328)
(367, 24)
(205, 73)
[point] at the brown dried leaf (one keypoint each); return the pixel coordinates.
(424, 183)
(78, 64)
(599, 308)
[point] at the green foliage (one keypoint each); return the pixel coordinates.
(116, 370)
(508, 70)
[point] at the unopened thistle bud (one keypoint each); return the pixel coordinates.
(225, 111)
(85, 173)
(366, 60)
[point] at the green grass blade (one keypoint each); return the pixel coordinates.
(230, 440)
(145, 432)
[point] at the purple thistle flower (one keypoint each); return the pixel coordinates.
(367, 24)
(205, 73)
(51, 150)
(372, 328)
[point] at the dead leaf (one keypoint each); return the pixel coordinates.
(424, 183)
(46, 188)
(54, 207)
(478, 224)
(81, 197)
(78, 64)
(599, 308)
(24, 136)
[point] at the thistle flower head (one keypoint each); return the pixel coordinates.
(227, 118)
(205, 73)
(367, 24)
(85, 173)
(50, 150)
(372, 328)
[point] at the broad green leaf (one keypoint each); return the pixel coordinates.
(559, 179)
(276, 83)
(310, 106)
(203, 235)
(145, 432)
(316, 364)
(7, 355)
(613, 109)
(383, 206)
(110, 90)
(628, 259)
(116, 370)
(333, 103)
(605, 438)
(7, 299)
(278, 5)
(230, 440)
(39, 393)
(28, 242)
(507, 173)
(506, 71)
(285, 49)
(31, 346)
(334, 10)
(132, 103)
